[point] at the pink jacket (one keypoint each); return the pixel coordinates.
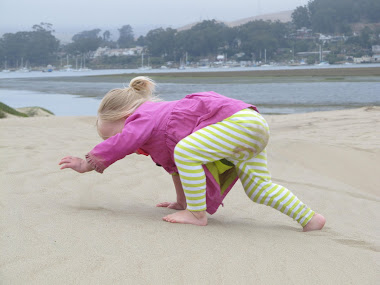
(156, 128)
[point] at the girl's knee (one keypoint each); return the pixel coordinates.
(180, 151)
(178, 147)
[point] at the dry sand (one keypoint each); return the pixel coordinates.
(60, 227)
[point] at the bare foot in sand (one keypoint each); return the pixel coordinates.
(187, 217)
(316, 223)
(172, 205)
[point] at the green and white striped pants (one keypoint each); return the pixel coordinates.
(241, 139)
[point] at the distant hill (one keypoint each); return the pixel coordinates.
(65, 34)
(284, 16)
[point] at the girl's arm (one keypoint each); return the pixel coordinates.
(137, 131)
(75, 163)
(181, 199)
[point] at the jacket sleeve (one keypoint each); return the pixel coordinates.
(137, 130)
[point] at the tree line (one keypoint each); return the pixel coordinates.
(40, 47)
(326, 16)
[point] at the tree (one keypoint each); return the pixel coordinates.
(42, 43)
(205, 38)
(258, 36)
(365, 38)
(370, 10)
(106, 36)
(85, 41)
(106, 40)
(322, 16)
(43, 27)
(14, 47)
(328, 16)
(37, 47)
(126, 37)
(140, 41)
(301, 17)
(161, 42)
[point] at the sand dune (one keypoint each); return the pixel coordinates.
(283, 16)
(60, 227)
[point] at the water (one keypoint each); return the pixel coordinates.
(59, 104)
(77, 93)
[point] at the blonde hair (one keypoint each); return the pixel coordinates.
(122, 102)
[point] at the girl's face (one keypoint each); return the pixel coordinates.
(109, 129)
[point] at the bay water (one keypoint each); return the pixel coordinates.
(78, 94)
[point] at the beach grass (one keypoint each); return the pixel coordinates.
(5, 109)
(35, 111)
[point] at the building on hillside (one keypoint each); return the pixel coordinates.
(376, 49)
(100, 51)
(106, 51)
(376, 58)
(363, 59)
(220, 57)
(376, 53)
(307, 53)
(303, 33)
(330, 38)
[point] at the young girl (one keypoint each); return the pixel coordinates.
(206, 141)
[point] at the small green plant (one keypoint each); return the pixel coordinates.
(5, 109)
(33, 111)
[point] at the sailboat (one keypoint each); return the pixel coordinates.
(22, 67)
(5, 70)
(321, 61)
(181, 65)
(84, 68)
(142, 63)
(67, 67)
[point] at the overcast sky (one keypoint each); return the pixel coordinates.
(17, 15)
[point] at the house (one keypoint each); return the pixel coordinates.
(363, 59)
(106, 51)
(329, 38)
(376, 49)
(303, 33)
(220, 57)
(376, 58)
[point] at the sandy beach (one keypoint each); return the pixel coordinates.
(61, 227)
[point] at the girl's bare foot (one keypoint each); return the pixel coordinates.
(187, 217)
(172, 205)
(316, 223)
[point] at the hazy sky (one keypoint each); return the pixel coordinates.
(17, 15)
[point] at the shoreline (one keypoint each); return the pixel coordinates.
(304, 72)
(270, 71)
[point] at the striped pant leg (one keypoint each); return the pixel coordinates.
(201, 147)
(258, 186)
(238, 137)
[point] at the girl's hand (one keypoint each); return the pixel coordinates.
(172, 205)
(75, 163)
